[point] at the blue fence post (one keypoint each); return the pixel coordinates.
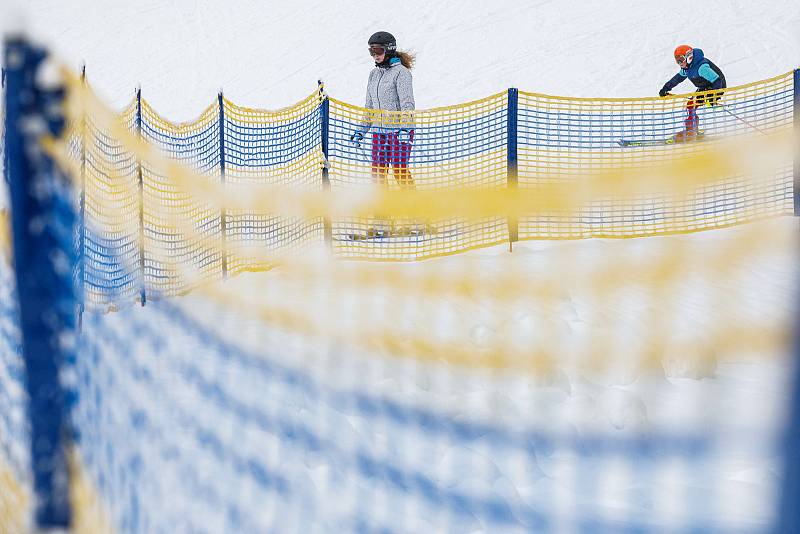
(140, 179)
(325, 117)
(82, 217)
(796, 111)
(789, 513)
(511, 148)
(223, 215)
(3, 87)
(43, 226)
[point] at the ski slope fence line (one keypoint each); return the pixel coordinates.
(356, 396)
(511, 140)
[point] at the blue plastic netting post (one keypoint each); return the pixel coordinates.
(511, 128)
(43, 226)
(789, 513)
(82, 219)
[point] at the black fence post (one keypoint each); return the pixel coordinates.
(140, 179)
(796, 112)
(325, 116)
(223, 215)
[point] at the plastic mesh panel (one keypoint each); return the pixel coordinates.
(279, 148)
(111, 218)
(563, 139)
(307, 433)
(15, 466)
(196, 145)
(457, 147)
(628, 385)
(560, 141)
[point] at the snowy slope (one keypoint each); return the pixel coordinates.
(270, 54)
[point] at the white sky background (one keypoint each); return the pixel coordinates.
(270, 54)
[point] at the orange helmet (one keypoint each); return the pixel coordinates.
(683, 53)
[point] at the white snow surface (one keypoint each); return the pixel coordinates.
(271, 54)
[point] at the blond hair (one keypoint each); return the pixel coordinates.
(407, 59)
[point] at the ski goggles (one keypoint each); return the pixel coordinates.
(680, 59)
(376, 50)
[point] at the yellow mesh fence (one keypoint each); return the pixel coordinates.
(5, 234)
(276, 148)
(676, 178)
(564, 138)
(194, 144)
(296, 192)
(551, 150)
(454, 148)
(14, 503)
(15, 481)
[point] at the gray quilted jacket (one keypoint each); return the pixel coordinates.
(389, 89)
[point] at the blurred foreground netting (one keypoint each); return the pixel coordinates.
(15, 468)
(619, 385)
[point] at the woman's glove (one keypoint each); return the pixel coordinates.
(357, 137)
(404, 135)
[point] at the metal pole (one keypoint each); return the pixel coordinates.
(325, 115)
(796, 111)
(737, 117)
(142, 290)
(223, 216)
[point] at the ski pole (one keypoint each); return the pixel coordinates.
(723, 106)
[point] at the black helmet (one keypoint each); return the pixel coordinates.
(385, 39)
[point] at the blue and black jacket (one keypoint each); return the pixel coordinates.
(701, 72)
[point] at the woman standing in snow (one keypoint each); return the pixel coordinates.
(389, 88)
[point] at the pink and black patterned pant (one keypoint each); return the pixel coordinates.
(389, 152)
